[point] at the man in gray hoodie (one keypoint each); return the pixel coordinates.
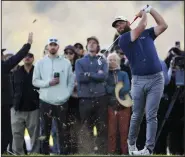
(53, 75)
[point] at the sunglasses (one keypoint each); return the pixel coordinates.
(78, 47)
(53, 44)
(53, 40)
(29, 56)
(69, 52)
(121, 53)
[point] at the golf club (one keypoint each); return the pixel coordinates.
(119, 36)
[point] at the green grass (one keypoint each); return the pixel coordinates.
(85, 155)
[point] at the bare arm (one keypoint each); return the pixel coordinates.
(161, 24)
(135, 33)
(14, 60)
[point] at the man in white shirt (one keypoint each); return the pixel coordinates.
(53, 75)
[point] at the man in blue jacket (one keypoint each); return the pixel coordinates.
(147, 76)
(91, 73)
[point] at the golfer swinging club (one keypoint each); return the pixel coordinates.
(147, 76)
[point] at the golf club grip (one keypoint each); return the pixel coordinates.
(137, 16)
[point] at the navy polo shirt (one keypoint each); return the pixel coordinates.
(141, 53)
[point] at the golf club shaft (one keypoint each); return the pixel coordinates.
(119, 36)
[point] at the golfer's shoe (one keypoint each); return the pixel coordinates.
(131, 149)
(144, 151)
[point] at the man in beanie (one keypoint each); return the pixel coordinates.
(147, 76)
(91, 73)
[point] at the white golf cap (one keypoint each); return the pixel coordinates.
(118, 18)
(53, 40)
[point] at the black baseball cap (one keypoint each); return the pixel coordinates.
(2, 50)
(30, 55)
(70, 47)
(78, 45)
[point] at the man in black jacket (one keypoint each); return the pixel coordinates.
(25, 111)
(9, 94)
(6, 67)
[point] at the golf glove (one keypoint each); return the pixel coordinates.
(147, 8)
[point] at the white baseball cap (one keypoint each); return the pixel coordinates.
(53, 40)
(118, 18)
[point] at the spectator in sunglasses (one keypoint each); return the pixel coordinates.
(71, 54)
(53, 75)
(79, 49)
(25, 110)
(73, 116)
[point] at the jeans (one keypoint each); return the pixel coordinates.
(49, 112)
(146, 94)
(93, 112)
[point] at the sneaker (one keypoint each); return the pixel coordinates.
(145, 151)
(132, 148)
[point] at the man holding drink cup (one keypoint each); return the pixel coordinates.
(53, 75)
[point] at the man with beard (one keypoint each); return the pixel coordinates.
(91, 73)
(25, 110)
(6, 67)
(147, 76)
(53, 75)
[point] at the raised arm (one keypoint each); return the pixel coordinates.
(14, 60)
(135, 33)
(161, 24)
